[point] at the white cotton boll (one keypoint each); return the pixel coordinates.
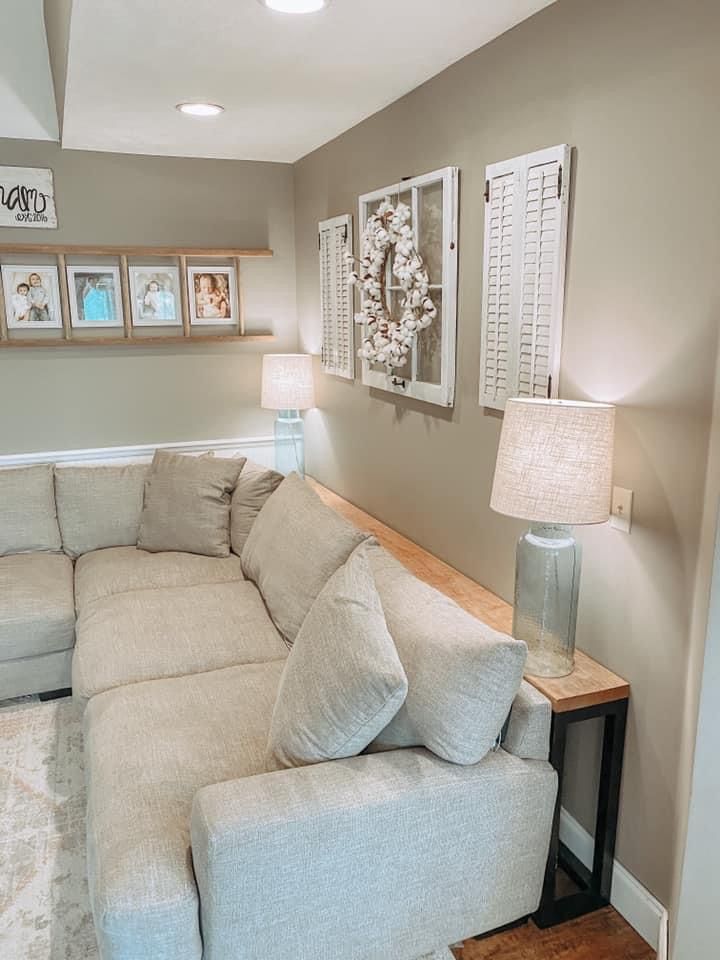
(381, 358)
(411, 325)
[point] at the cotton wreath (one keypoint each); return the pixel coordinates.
(388, 340)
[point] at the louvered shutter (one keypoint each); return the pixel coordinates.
(524, 272)
(336, 298)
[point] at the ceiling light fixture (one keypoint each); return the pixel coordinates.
(295, 6)
(194, 109)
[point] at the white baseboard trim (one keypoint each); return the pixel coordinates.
(636, 904)
(260, 449)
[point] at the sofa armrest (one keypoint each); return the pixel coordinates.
(528, 731)
(392, 854)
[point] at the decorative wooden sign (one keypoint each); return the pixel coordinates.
(27, 197)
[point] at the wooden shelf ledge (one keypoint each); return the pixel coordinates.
(136, 341)
(208, 253)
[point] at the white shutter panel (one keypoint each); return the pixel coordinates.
(524, 276)
(336, 297)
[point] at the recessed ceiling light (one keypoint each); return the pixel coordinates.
(295, 6)
(200, 109)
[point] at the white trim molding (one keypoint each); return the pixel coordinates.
(636, 904)
(259, 449)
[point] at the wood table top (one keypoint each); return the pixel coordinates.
(588, 685)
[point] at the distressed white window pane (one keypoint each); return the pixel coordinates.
(430, 229)
(429, 346)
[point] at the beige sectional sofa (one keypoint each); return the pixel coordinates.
(198, 845)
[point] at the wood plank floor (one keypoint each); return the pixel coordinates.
(598, 936)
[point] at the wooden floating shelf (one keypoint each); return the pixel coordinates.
(136, 341)
(209, 253)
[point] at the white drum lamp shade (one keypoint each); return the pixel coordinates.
(287, 382)
(554, 463)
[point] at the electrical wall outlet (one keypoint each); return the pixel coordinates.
(621, 509)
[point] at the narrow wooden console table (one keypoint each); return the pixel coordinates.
(591, 691)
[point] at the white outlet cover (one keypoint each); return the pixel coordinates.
(621, 509)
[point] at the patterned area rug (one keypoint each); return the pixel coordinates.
(44, 908)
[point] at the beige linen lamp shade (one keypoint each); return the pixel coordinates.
(287, 381)
(554, 463)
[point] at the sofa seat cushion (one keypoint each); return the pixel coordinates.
(104, 573)
(149, 748)
(172, 632)
(37, 614)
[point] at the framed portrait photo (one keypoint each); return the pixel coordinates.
(212, 295)
(155, 296)
(32, 297)
(95, 298)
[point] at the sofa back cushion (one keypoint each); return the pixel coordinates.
(28, 518)
(99, 507)
(254, 486)
(296, 544)
(462, 675)
(187, 504)
(343, 681)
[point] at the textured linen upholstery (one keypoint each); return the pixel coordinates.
(343, 680)
(119, 569)
(388, 855)
(462, 674)
(28, 520)
(294, 547)
(254, 486)
(99, 507)
(528, 732)
(149, 747)
(37, 613)
(35, 674)
(172, 632)
(187, 504)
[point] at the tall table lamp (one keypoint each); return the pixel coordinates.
(554, 468)
(287, 386)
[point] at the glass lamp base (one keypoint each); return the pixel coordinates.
(289, 443)
(547, 579)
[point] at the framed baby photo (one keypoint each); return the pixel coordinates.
(32, 297)
(212, 295)
(95, 297)
(155, 296)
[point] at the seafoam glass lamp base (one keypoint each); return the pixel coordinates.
(289, 443)
(547, 579)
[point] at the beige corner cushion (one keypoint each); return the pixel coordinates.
(254, 486)
(187, 504)
(99, 507)
(294, 547)
(28, 519)
(462, 675)
(37, 614)
(343, 681)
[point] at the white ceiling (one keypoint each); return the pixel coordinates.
(27, 100)
(289, 84)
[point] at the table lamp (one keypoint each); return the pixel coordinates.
(287, 386)
(554, 468)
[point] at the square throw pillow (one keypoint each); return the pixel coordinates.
(99, 507)
(187, 504)
(28, 518)
(462, 675)
(343, 681)
(295, 545)
(254, 486)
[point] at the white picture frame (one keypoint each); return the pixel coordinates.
(155, 295)
(24, 309)
(213, 302)
(95, 295)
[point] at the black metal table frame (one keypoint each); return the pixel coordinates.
(595, 884)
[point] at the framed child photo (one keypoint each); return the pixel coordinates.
(95, 297)
(155, 296)
(32, 297)
(212, 295)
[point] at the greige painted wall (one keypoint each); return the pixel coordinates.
(632, 84)
(70, 397)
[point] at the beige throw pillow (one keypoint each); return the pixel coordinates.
(254, 486)
(187, 504)
(28, 519)
(343, 681)
(295, 546)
